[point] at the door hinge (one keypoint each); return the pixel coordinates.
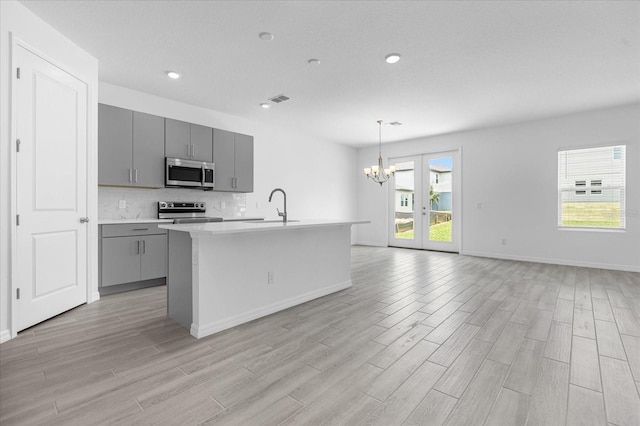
(18, 142)
(17, 293)
(17, 220)
(18, 72)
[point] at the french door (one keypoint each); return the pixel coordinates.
(424, 202)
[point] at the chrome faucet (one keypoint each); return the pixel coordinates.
(284, 213)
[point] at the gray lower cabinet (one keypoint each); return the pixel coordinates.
(132, 253)
(130, 148)
(187, 140)
(233, 159)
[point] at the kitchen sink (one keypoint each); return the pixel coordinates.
(269, 221)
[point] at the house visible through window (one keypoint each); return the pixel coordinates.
(591, 187)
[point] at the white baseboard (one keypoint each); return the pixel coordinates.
(370, 244)
(204, 330)
(95, 296)
(565, 262)
(4, 336)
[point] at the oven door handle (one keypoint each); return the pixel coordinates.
(203, 175)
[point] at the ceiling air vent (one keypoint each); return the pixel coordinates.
(278, 99)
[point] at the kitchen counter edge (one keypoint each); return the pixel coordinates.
(218, 228)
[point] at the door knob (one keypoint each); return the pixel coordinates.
(84, 219)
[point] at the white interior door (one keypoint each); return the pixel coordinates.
(51, 180)
(424, 201)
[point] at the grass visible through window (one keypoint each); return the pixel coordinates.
(439, 232)
(591, 214)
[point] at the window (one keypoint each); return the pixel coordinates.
(591, 187)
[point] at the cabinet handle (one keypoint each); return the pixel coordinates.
(130, 175)
(138, 247)
(144, 246)
(140, 229)
(193, 151)
(188, 151)
(136, 176)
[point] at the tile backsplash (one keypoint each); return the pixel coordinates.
(143, 203)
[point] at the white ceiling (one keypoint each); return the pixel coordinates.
(465, 64)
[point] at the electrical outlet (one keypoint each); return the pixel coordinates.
(122, 204)
(223, 205)
(270, 277)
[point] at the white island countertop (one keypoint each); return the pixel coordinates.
(217, 228)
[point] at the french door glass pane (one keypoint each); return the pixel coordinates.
(440, 199)
(404, 201)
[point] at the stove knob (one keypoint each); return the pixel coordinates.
(170, 204)
(163, 205)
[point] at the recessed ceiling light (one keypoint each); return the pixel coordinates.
(392, 58)
(265, 36)
(265, 106)
(313, 61)
(172, 74)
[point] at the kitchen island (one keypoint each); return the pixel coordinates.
(224, 274)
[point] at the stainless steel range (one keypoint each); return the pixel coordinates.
(185, 212)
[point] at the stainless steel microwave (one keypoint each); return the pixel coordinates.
(189, 173)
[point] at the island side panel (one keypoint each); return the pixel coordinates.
(231, 273)
(179, 286)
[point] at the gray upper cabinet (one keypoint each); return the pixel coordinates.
(148, 150)
(115, 139)
(223, 153)
(244, 163)
(201, 143)
(189, 141)
(130, 148)
(233, 159)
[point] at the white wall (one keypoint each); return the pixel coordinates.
(509, 189)
(18, 21)
(318, 176)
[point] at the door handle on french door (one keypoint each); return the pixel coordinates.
(84, 219)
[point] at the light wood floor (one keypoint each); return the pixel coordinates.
(420, 338)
